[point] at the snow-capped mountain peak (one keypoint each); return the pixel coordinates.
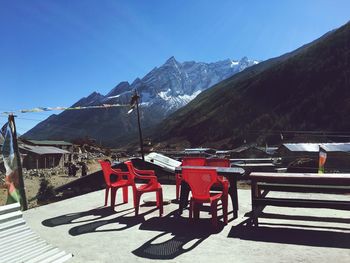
(163, 90)
(121, 87)
(174, 84)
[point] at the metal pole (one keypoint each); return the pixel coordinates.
(22, 191)
(139, 124)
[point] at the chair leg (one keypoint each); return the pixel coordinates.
(214, 213)
(113, 195)
(160, 201)
(125, 194)
(106, 195)
(224, 210)
(157, 199)
(178, 189)
(191, 209)
(196, 209)
(134, 192)
(137, 203)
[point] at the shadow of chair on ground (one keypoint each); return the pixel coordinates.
(78, 217)
(96, 220)
(298, 233)
(122, 222)
(178, 236)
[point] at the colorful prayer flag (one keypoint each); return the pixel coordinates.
(11, 165)
(322, 160)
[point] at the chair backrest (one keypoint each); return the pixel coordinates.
(193, 161)
(107, 171)
(200, 181)
(218, 162)
(131, 169)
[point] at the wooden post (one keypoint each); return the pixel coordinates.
(140, 132)
(135, 100)
(254, 195)
(22, 191)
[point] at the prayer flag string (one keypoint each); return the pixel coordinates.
(42, 109)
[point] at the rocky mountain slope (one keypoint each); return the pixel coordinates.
(163, 90)
(305, 90)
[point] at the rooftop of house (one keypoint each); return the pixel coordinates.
(42, 150)
(315, 147)
(49, 142)
(93, 233)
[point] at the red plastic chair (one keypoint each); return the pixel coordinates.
(219, 162)
(151, 186)
(123, 181)
(187, 161)
(200, 182)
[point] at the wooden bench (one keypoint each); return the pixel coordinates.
(263, 183)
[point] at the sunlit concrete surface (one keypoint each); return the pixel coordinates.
(94, 233)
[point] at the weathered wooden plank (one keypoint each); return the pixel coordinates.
(313, 179)
(336, 189)
(262, 175)
(310, 203)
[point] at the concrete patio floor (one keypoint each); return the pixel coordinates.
(93, 233)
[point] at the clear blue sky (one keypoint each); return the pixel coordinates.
(54, 52)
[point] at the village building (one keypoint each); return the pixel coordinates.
(42, 157)
(252, 151)
(338, 154)
(41, 154)
(58, 144)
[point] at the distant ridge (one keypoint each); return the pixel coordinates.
(304, 90)
(163, 90)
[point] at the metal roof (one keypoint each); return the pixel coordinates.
(20, 244)
(41, 150)
(206, 151)
(243, 147)
(337, 147)
(223, 151)
(48, 142)
(315, 147)
(198, 149)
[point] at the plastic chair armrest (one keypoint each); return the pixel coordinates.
(125, 174)
(150, 178)
(120, 174)
(224, 182)
(117, 173)
(145, 172)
